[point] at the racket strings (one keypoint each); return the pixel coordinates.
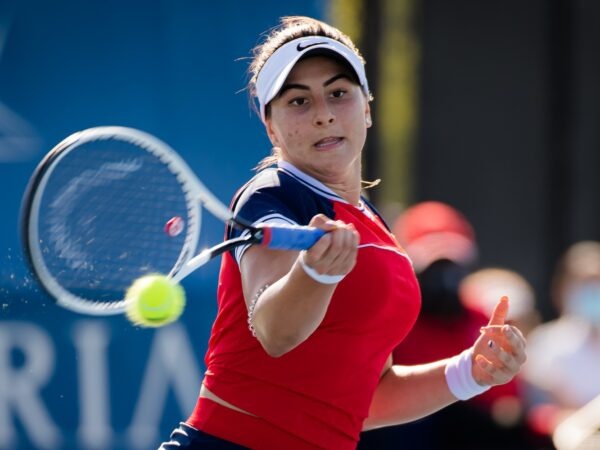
(103, 214)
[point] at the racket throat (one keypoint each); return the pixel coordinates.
(206, 255)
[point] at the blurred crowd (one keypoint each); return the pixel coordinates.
(561, 377)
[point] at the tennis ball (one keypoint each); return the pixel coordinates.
(154, 300)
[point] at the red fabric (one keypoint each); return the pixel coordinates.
(243, 429)
(320, 391)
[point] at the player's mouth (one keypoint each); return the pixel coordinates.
(328, 143)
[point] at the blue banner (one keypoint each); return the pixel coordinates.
(175, 69)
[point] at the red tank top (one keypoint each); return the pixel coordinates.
(319, 392)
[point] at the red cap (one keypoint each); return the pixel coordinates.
(431, 230)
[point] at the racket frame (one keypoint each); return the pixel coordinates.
(195, 191)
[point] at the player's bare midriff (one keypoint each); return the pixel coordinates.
(205, 393)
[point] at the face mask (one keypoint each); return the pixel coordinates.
(584, 301)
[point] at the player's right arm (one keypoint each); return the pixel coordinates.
(294, 304)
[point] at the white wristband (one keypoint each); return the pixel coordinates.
(459, 376)
(320, 278)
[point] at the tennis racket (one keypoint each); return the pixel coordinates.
(108, 205)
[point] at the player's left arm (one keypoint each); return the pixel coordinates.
(408, 393)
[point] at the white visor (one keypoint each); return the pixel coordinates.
(276, 69)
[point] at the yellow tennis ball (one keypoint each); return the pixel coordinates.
(154, 300)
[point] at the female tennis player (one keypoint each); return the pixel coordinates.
(300, 352)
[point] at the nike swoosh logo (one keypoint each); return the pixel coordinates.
(301, 47)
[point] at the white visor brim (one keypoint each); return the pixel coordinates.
(279, 65)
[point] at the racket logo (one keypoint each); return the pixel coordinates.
(175, 226)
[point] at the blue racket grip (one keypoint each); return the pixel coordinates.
(290, 237)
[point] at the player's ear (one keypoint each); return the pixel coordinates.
(271, 133)
(368, 119)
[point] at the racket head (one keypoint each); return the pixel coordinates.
(104, 207)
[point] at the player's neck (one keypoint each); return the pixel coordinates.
(349, 193)
(344, 183)
(348, 187)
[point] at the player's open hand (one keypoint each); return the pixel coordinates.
(499, 352)
(335, 253)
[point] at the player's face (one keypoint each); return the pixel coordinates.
(319, 120)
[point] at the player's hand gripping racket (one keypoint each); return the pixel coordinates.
(111, 204)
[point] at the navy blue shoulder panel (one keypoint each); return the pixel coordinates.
(372, 208)
(273, 194)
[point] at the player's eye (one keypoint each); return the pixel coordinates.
(338, 93)
(298, 101)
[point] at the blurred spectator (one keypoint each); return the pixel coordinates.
(442, 245)
(563, 366)
(480, 291)
(432, 231)
(581, 430)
